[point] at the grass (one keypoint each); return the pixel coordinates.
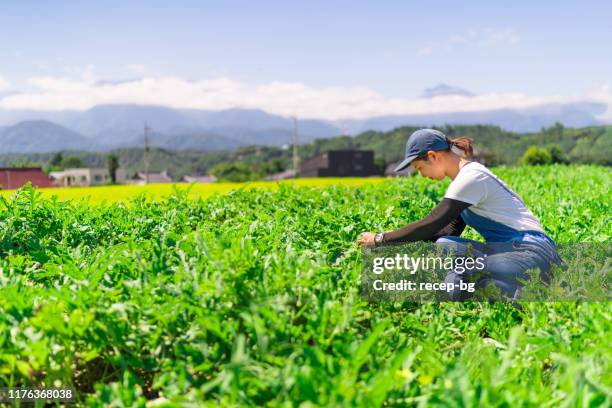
(124, 193)
(251, 298)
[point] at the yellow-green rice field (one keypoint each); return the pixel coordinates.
(109, 194)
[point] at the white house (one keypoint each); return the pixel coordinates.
(84, 177)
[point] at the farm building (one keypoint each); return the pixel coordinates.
(12, 178)
(199, 179)
(340, 163)
(154, 178)
(84, 177)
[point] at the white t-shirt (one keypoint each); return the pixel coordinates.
(491, 198)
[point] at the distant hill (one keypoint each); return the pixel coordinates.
(189, 141)
(444, 90)
(114, 126)
(41, 136)
(121, 124)
(514, 120)
(582, 145)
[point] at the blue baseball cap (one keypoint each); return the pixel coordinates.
(422, 141)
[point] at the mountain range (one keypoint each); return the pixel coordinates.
(106, 127)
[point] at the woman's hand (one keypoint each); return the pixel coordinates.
(367, 239)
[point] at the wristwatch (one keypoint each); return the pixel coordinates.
(378, 238)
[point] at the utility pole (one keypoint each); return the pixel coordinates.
(146, 153)
(294, 138)
(345, 131)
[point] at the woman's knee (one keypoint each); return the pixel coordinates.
(448, 239)
(447, 245)
(451, 244)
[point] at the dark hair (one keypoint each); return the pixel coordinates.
(462, 143)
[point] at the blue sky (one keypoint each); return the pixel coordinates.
(394, 49)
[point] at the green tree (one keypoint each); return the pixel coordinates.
(557, 155)
(72, 162)
(536, 155)
(24, 162)
(112, 164)
(237, 172)
(555, 130)
(56, 160)
(270, 167)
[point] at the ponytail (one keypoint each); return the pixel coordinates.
(462, 143)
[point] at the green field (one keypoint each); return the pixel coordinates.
(252, 298)
(125, 193)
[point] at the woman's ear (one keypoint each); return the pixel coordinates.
(431, 155)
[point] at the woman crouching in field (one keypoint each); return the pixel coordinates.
(478, 198)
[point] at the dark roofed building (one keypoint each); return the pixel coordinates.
(340, 163)
(16, 177)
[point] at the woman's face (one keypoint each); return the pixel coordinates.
(432, 168)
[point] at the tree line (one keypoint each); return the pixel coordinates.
(555, 144)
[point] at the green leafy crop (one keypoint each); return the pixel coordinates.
(252, 298)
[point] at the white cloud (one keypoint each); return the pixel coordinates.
(283, 98)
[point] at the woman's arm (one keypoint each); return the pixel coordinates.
(444, 219)
(454, 227)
